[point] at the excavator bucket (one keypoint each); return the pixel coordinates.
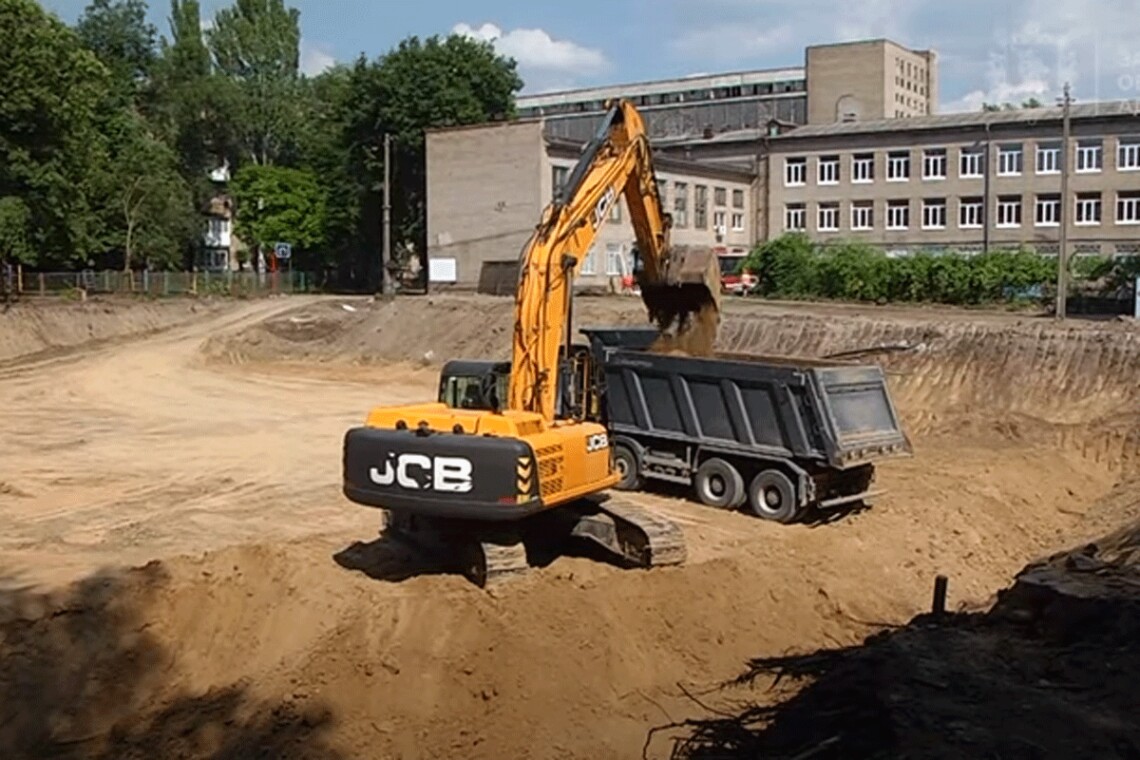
(685, 302)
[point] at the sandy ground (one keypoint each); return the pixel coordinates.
(264, 618)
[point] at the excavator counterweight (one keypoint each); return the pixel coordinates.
(477, 483)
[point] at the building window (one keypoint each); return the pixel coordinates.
(719, 196)
(795, 217)
(614, 255)
(971, 162)
(663, 193)
(934, 213)
(971, 213)
(828, 170)
(1048, 211)
(680, 204)
(1128, 207)
(738, 199)
(1088, 208)
(718, 222)
(738, 221)
(1049, 158)
(1009, 211)
(828, 218)
(1128, 154)
(590, 263)
(863, 167)
(934, 163)
(862, 215)
(1009, 160)
(1089, 156)
(898, 215)
(795, 171)
(898, 166)
(700, 207)
(559, 175)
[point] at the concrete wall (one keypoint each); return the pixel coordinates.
(486, 187)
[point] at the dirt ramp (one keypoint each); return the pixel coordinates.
(31, 329)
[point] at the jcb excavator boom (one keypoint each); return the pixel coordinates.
(675, 286)
(479, 480)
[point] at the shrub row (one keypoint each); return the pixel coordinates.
(793, 267)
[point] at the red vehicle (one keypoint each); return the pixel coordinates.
(732, 279)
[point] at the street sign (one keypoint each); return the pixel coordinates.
(283, 251)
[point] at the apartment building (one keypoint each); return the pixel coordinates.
(488, 184)
(970, 181)
(869, 79)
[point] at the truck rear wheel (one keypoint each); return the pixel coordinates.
(625, 462)
(719, 484)
(772, 496)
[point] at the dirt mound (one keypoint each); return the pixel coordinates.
(1049, 672)
(248, 651)
(29, 330)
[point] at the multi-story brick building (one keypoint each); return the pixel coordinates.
(487, 186)
(965, 181)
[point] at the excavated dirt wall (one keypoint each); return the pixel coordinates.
(335, 644)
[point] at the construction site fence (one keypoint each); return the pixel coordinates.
(158, 284)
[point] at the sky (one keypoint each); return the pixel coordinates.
(989, 50)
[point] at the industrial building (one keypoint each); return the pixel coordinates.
(487, 186)
(868, 79)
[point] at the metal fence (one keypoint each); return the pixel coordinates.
(157, 284)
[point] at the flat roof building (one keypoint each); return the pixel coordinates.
(868, 79)
(487, 186)
(969, 181)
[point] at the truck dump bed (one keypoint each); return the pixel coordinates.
(836, 413)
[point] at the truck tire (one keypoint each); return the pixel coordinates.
(628, 466)
(772, 496)
(719, 484)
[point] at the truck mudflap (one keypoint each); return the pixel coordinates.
(860, 415)
(440, 475)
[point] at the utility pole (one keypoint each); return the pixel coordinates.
(1063, 248)
(387, 287)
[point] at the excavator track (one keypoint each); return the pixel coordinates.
(485, 557)
(631, 532)
(489, 554)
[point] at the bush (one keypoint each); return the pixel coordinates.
(793, 267)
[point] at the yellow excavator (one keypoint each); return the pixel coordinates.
(475, 485)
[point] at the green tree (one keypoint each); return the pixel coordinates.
(195, 108)
(278, 204)
(14, 230)
(149, 208)
(117, 32)
(49, 93)
(256, 47)
(419, 84)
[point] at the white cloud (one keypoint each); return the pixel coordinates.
(544, 62)
(992, 51)
(315, 58)
(729, 42)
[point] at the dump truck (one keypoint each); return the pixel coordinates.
(782, 436)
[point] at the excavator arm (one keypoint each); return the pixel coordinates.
(674, 286)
